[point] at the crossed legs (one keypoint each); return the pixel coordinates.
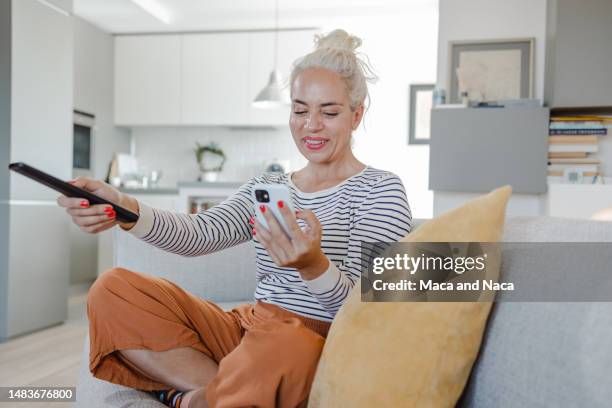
(183, 368)
(149, 334)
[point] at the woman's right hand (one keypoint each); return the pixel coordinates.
(97, 217)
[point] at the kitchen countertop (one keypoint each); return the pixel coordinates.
(152, 190)
(182, 184)
(208, 184)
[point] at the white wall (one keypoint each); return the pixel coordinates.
(492, 19)
(402, 48)
(170, 149)
(401, 45)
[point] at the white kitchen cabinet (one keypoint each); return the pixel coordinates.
(291, 45)
(208, 79)
(147, 80)
(214, 79)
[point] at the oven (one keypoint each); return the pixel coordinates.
(83, 144)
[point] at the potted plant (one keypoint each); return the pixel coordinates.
(210, 160)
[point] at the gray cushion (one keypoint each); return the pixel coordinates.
(554, 229)
(545, 354)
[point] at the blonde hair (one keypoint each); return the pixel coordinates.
(336, 51)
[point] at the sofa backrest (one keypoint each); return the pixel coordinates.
(545, 354)
(225, 276)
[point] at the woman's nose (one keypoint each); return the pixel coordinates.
(313, 121)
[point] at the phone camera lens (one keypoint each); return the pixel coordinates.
(262, 196)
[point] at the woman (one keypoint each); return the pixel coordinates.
(149, 334)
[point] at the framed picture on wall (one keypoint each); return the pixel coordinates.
(491, 70)
(419, 113)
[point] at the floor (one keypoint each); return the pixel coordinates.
(49, 357)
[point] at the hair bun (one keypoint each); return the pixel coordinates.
(337, 52)
(338, 39)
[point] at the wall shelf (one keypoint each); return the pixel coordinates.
(582, 110)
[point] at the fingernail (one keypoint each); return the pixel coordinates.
(84, 203)
(251, 221)
(281, 204)
(253, 231)
(297, 212)
(111, 214)
(71, 181)
(262, 208)
(108, 209)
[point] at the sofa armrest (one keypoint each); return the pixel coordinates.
(225, 276)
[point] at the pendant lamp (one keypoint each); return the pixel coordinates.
(273, 95)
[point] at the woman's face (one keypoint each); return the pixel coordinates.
(321, 118)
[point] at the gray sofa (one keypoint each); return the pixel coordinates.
(533, 354)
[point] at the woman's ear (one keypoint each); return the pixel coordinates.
(357, 116)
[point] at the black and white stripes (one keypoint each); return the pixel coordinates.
(368, 207)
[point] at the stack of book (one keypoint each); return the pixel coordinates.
(573, 144)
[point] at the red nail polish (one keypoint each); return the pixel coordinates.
(297, 212)
(108, 209)
(111, 215)
(84, 203)
(262, 208)
(281, 204)
(253, 231)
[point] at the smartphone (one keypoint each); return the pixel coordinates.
(69, 190)
(269, 195)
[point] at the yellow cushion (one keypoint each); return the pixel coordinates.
(410, 354)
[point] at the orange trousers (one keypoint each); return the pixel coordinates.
(267, 356)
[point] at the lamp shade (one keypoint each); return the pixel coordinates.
(272, 95)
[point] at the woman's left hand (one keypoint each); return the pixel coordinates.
(302, 251)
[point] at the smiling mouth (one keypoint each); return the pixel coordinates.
(314, 144)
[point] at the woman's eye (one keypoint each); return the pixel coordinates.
(299, 112)
(330, 114)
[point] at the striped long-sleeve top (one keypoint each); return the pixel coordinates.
(370, 206)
